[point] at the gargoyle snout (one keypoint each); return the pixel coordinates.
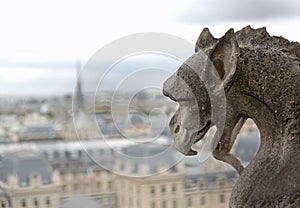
(168, 88)
(168, 94)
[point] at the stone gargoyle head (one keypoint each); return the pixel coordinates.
(246, 74)
(201, 79)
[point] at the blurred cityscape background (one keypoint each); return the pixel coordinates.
(63, 152)
(62, 147)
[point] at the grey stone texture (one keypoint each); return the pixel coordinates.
(260, 77)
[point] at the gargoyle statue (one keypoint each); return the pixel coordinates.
(259, 75)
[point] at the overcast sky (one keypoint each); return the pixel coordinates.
(41, 41)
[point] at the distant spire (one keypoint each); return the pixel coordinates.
(78, 68)
(79, 99)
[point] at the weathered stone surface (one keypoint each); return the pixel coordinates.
(260, 76)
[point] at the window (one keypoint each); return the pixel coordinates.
(152, 191)
(48, 202)
(3, 204)
(202, 200)
(174, 188)
(164, 204)
(174, 204)
(23, 203)
(36, 202)
(222, 198)
(163, 189)
(67, 154)
(190, 203)
(201, 186)
(153, 205)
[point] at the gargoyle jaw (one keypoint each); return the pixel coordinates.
(184, 138)
(197, 136)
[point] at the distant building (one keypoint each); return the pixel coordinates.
(37, 127)
(39, 132)
(63, 175)
(4, 199)
(26, 181)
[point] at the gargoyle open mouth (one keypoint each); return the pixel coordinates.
(197, 136)
(185, 124)
(186, 136)
(177, 99)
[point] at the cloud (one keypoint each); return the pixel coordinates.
(134, 72)
(212, 11)
(52, 64)
(25, 80)
(48, 77)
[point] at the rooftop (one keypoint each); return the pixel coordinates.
(24, 164)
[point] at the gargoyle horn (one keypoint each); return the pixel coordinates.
(224, 57)
(205, 41)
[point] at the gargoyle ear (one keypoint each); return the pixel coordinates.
(224, 57)
(205, 41)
